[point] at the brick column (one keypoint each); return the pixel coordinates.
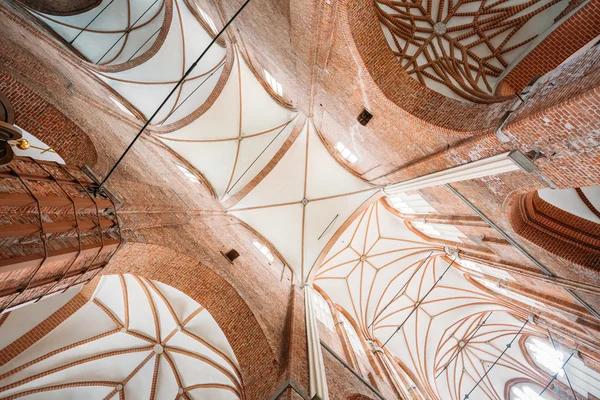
(55, 232)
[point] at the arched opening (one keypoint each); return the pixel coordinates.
(553, 358)
(111, 35)
(447, 64)
(53, 7)
(564, 222)
(526, 390)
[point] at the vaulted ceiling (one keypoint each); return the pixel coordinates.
(271, 169)
(135, 338)
(403, 293)
(464, 49)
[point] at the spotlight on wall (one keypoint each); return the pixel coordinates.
(364, 117)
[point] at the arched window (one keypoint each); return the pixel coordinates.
(546, 356)
(410, 204)
(495, 287)
(550, 360)
(484, 269)
(439, 231)
(322, 310)
(352, 336)
(528, 391)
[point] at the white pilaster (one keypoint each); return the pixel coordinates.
(316, 367)
(505, 162)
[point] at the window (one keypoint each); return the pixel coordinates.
(276, 86)
(264, 250)
(410, 204)
(322, 310)
(484, 269)
(546, 355)
(346, 153)
(442, 231)
(121, 106)
(352, 335)
(524, 393)
(495, 286)
(188, 174)
(208, 20)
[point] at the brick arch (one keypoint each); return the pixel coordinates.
(358, 397)
(45, 122)
(567, 39)
(61, 7)
(368, 44)
(7, 113)
(257, 362)
(557, 231)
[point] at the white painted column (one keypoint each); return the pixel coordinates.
(316, 366)
(505, 162)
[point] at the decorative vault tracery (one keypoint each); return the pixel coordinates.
(379, 271)
(147, 340)
(463, 48)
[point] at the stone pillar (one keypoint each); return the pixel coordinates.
(316, 366)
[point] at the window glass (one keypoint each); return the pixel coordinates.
(208, 20)
(546, 355)
(264, 250)
(276, 86)
(346, 153)
(524, 393)
(188, 174)
(352, 336)
(322, 310)
(410, 204)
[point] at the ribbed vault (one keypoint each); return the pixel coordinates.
(238, 135)
(303, 201)
(145, 85)
(135, 339)
(379, 271)
(462, 49)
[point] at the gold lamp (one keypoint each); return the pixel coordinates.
(23, 144)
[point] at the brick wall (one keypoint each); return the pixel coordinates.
(61, 7)
(570, 36)
(45, 122)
